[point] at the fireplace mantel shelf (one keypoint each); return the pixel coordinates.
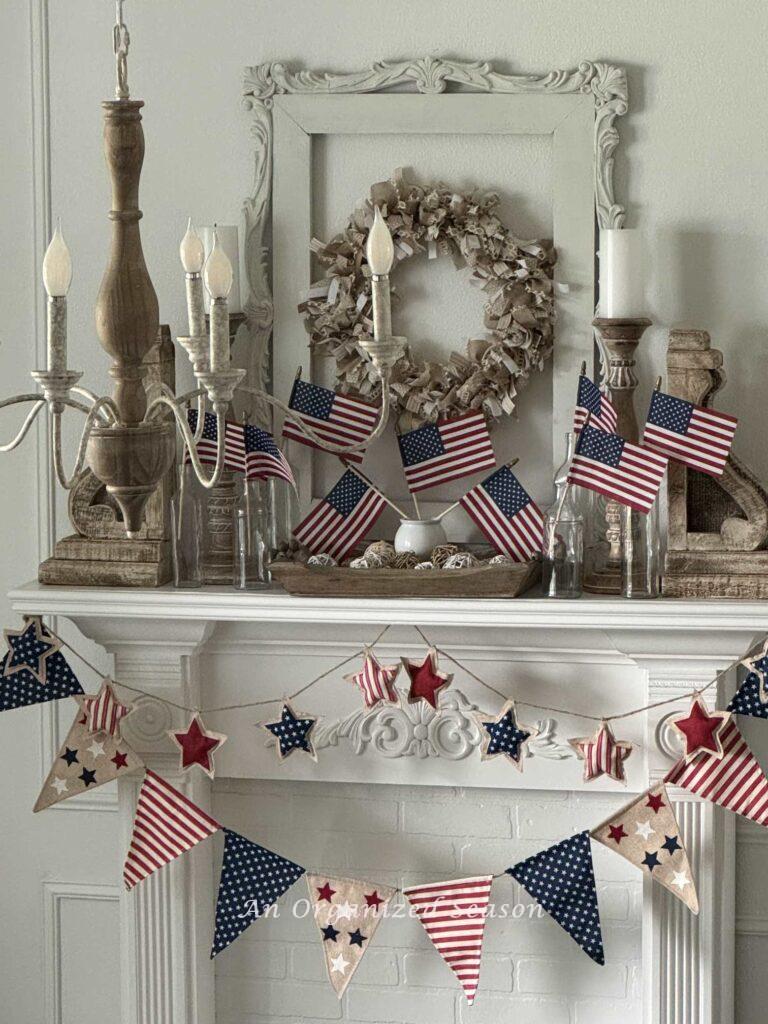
(275, 606)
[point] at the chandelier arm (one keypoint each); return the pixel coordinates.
(90, 422)
(336, 449)
(189, 440)
(92, 398)
(37, 405)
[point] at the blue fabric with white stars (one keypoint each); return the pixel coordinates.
(746, 700)
(312, 400)
(671, 413)
(589, 396)
(600, 446)
(347, 493)
(506, 736)
(562, 880)
(258, 440)
(209, 424)
(421, 444)
(291, 732)
(506, 491)
(21, 689)
(252, 879)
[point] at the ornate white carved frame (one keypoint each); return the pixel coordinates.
(577, 108)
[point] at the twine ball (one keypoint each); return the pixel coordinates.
(406, 560)
(442, 553)
(500, 560)
(461, 560)
(323, 560)
(424, 565)
(381, 553)
(362, 562)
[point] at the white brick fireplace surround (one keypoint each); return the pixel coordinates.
(407, 799)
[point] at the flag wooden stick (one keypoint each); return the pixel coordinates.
(391, 504)
(657, 385)
(583, 367)
(416, 506)
(456, 504)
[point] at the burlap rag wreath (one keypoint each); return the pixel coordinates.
(519, 313)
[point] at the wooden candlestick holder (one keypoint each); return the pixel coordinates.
(620, 337)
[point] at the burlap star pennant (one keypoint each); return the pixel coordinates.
(646, 833)
(86, 761)
(347, 913)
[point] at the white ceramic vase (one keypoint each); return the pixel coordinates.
(419, 536)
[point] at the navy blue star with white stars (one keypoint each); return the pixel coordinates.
(747, 700)
(252, 879)
(671, 413)
(22, 688)
(29, 648)
(291, 733)
(505, 736)
(562, 880)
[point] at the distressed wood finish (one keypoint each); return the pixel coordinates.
(718, 528)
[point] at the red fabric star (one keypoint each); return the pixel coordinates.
(617, 833)
(197, 746)
(655, 802)
(426, 679)
(120, 760)
(325, 892)
(701, 731)
(373, 900)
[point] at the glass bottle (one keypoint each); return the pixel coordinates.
(563, 546)
(187, 531)
(640, 552)
(283, 511)
(251, 529)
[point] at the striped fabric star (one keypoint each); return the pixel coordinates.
(104, 712)
(375, 681)
(602, 754)
(453, 914)
(166, 825)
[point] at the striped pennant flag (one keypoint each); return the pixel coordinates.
(626, 472)
(734, 781)
(336, 524)
(453, 914)
(339, 419)
(506, 514)
(592, 402)
(166, 825)
(698, 437)
(439, 452)
(104, 712)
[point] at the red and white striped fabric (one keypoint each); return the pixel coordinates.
(453, 914)
(166, 825)
(608, 464)
(506, 514)
(376, 682)
(346, 513)
(736, 781)
(439, 452)
(104, 712)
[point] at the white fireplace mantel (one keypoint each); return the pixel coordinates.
(214, 647)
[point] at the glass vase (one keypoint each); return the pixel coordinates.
(283, 512)
(640, 553)
(188, 531)
(563, 546)
(251, 537)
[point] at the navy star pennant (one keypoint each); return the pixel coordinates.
(747, 701)
(293, 731)
(251, 880)
(21, 671)
(562, 880)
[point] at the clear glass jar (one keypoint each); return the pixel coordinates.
(563, 546)
(640, 553)
(188, 532)
(251, 537)
(283, 511)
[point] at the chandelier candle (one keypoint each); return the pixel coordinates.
(57, 277)
(218, 280)
(192, 258)
(380, 253)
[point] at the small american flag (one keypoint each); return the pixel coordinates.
(506, 514)
(590, 401)
(166, 825)
(263, 458)
(736, 781)
(340, 419)
(626, 472)
(439, 452)
(234, 445)
(453, 914)
(338, 522)
(701, 438)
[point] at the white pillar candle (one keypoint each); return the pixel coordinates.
(622, 273)
(228, 240)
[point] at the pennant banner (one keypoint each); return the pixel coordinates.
(646, 833)
(251, 880)
(748, 699)
(734, 780)
(562, 880)
(166, 825)
(347, 912)
(453, 914)
(33, 670)
(86, 760)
